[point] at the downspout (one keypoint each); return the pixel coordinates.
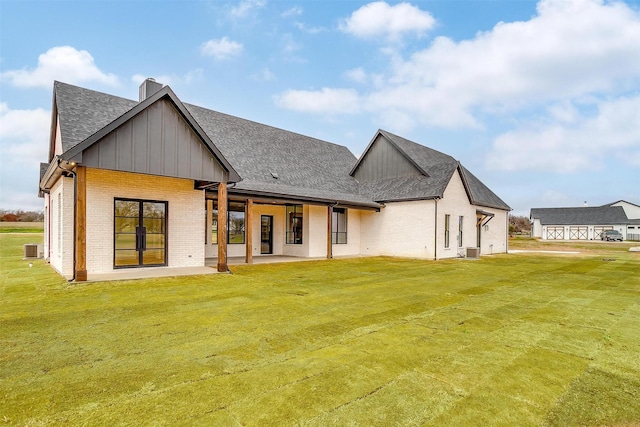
(435, 232)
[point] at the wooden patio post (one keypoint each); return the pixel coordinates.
(81, 224)
(222, 227)
(248, 227)
(329, 245)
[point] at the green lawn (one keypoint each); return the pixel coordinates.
(21, 227)
(508, 340)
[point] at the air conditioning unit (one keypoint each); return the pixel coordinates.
(473, 252)
(33, 250)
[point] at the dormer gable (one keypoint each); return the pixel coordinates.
(157, 136)
(383, 159)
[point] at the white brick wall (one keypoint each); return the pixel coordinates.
(186, 213)
(352, 247)
(407, 228)
(456, 203)
(61, 227)
(399, 229)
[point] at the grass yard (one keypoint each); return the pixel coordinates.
(508, 340)
(21, 227)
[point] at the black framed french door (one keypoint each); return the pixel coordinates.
(266, 234)
(140, 233)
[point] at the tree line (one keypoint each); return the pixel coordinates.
(519, 224)
(21, 216)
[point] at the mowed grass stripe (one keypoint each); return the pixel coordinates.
(506, 340)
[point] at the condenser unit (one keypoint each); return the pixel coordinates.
(473, 252)
(33, 250)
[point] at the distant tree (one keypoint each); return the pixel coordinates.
(9, 217)
(21, 216)
(519, 224)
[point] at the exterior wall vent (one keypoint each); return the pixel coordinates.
(473, 252)
(148, 88)
(33, 250)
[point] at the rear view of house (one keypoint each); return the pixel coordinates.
(161, 183)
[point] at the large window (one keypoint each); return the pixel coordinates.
(460, 222)
(236, 222)
(294, 225)
(447, 221)
(339, 226)
(211, 205)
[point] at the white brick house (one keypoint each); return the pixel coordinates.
(158, 182)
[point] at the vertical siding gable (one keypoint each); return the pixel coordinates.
(384, 161)
(156, 141)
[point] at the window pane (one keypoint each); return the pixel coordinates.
(154, 225)
(153, 256)
(294, 224)
(339, 226)
(127, 208)
(126, 225)
(446, 231)
(155, 241)
(126, 258)
(236, 224)
(153, 210)
(125, 241)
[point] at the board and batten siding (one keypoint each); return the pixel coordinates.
(384, 161)
(158, 141)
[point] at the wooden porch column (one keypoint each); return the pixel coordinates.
(248, 228)
(222, 227)
(81, 224)
(329, 245)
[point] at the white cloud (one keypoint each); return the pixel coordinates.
(294, 11)
(165, 79)
(245, 7)
(221, 48)
(586, 142)
(309, 30)
(264, 75)
(357, 75)
(325, 101)
(24, 134)
(379, 19)
(64, 63)
(570, 50)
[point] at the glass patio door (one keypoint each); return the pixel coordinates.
(140, 233)
(266, 234)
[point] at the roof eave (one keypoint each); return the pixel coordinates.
(310, 199)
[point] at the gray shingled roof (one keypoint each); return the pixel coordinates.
(596, 215)
(481, 194)
(439, 168)
(258, 151)
(83, 112)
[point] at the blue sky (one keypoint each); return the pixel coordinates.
(540, 100)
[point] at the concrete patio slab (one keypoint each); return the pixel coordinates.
(149, 272)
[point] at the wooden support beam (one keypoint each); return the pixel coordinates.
(81, 224)
(222, 227)
(248, 228)
(329, 244)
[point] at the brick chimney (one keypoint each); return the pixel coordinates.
(148, 88)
